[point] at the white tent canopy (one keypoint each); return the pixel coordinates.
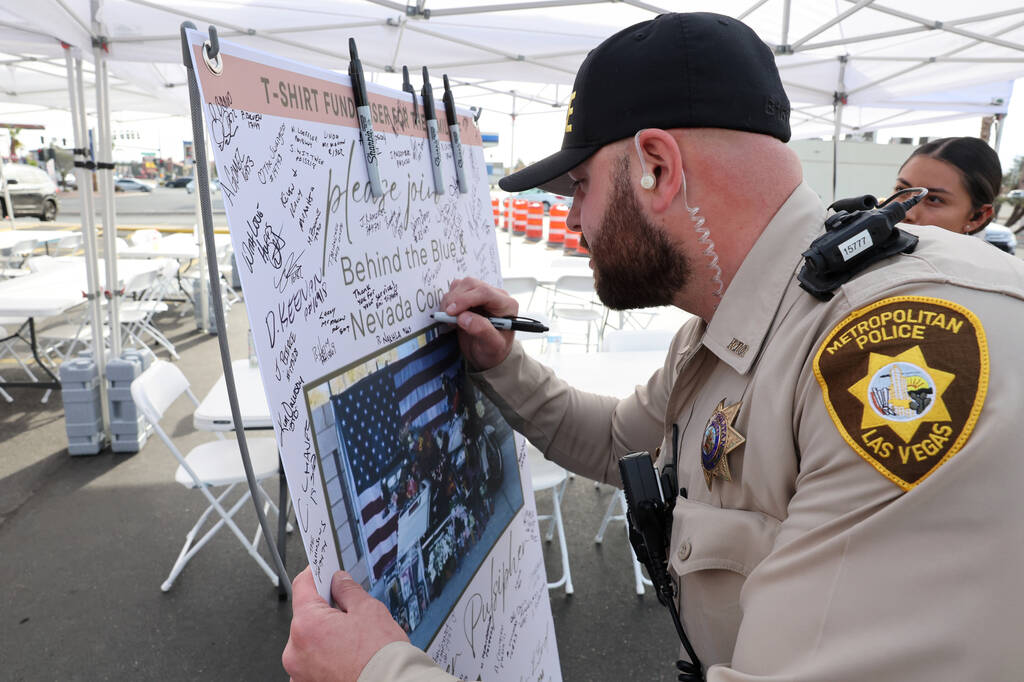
(886, 63)
(33, 74)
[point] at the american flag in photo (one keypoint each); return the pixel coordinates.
(370, 415)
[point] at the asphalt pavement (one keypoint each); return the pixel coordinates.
(86, 542)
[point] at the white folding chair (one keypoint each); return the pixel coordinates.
(210, 465)
(68, 244)
(136, 315)
(575, 300)
(619, 500)
(521, 286)
(9, 326)
(61, 335)
(147, 236)
(42, 263)
(617, 340)
(620, 340)
(544, 475)
(12, 259)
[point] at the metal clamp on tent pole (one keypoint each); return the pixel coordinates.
(284, 586)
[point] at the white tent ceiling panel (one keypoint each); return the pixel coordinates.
(889, 61)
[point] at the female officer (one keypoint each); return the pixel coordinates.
(963, 177)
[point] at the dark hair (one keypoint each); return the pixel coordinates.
(977, 163)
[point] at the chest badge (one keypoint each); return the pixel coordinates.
(720, 438)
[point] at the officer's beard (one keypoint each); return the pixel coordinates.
(635, 264)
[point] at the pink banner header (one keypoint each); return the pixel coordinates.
(259, 88)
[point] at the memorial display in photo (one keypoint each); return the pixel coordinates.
(420, 475)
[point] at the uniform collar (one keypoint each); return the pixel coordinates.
(741, 323)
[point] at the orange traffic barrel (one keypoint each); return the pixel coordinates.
(534, 221)
(556, 225)
(495, 211)
(519, 215)
(506, 204)
(572, 242)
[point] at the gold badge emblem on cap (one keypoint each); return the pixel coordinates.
(904, 380)
(720, 438)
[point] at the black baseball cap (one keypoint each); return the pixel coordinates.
(689, 70)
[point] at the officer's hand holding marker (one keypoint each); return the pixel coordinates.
(508, 322)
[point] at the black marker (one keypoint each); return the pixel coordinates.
(407, 87)
(518, 324)
(453, 129)
(433, 141)
(355, 74)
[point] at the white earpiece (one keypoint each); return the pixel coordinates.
(647, 180)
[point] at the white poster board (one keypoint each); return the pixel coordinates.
(399, 470)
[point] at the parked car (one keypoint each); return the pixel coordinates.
(131, 185)
(1000, 237)
(181, 181)
(1015, 194)
(32, 191)
(214, 186)
(549, 199)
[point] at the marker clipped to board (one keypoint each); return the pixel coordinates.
(433, 141)
(407, 87)
(355, 74)
(453, 129)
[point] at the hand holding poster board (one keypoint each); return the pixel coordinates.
(399, 470)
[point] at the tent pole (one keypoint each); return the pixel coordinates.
(7, 197)
(785, 23)
(203, 294)
(512, 168)
(1000, 120)
(103, 156)
(93, 293)
(838, 100)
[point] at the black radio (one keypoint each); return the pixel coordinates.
(649, 517)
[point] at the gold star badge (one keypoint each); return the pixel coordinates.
(720, 438)
(902, 392)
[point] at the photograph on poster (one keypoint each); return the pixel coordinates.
(420, 474)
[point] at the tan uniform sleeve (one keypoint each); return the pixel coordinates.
(583, 432)
(402, 662)
(868, 582)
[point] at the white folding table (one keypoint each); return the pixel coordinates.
(53, 291)
(9, 238)
(214, 412)
(616, 374)
(181, 247)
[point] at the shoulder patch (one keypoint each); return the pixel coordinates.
(904, 380)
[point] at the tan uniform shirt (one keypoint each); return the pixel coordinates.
(873, 526)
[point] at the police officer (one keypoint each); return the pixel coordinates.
(849, 470)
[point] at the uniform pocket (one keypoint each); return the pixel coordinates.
(706, 538)
(713, 550)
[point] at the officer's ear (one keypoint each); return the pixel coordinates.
(979, 219)
(660, 159)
